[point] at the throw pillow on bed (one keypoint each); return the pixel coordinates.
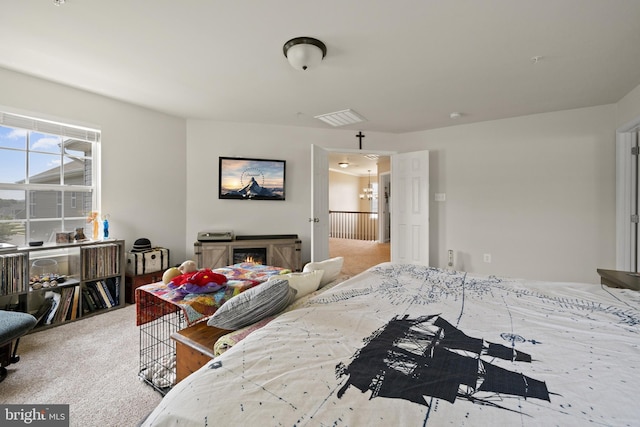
(331, 267)
(303, 283)
(254, 304)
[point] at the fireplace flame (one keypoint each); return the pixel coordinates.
(249, 259)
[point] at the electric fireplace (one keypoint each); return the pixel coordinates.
(254, 255)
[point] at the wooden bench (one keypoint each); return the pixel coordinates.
(194, 347)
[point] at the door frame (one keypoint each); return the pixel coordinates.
(384, 217)
(626, 256)
(314, 230)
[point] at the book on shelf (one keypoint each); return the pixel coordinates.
(43, 310)
(101, 260)
(97, 298)
(110, 293)
(113, 286)
(14, 268)
(105, 295)
(55, 304)
(66, 296)
(75, 306)
(88, 304)
(60, 307)
(101, 294)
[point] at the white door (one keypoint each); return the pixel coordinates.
(319, 204)
(410, 208)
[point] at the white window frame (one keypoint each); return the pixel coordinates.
(66, 130)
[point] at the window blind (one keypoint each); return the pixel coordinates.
(50, 127)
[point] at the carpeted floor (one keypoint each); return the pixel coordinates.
(359, 254)
(93, 364)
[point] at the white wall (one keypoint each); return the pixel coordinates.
(344, 192)
(207, 140)
(143, 156)
(628, 108)
(535, 192)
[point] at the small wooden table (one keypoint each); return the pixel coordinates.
(194, 347)
(620, 279)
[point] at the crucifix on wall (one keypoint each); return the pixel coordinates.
(360, 135)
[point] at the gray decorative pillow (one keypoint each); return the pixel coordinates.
(252, 305)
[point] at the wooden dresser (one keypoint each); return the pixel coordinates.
(194, 347)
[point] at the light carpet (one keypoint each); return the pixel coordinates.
(91, 364)
(359, 254)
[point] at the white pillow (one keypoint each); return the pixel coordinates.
(252, 305)
(331, 267)
(304, 283)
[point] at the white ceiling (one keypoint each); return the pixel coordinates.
(405, 65)
(359, 164)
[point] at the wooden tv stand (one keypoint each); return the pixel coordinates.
(282, 251)
(194, 347)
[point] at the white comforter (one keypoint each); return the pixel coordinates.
(405, 345)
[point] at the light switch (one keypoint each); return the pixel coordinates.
(441, 197)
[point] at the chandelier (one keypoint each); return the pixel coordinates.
(367, 192)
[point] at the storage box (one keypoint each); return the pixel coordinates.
(150, 261)
(65, 237)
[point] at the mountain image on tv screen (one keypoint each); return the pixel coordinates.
(251, 179)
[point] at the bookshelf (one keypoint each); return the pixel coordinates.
(58, 283)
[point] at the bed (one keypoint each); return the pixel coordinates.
(410, 345)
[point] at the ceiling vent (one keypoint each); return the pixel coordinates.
(341, 118)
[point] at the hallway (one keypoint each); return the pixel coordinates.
(359, 254)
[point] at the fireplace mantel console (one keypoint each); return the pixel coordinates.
(279, 250)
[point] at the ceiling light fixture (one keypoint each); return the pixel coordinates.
(304, 52)
(341, 118)
(455, 115)
(58, 2)
(343, 165)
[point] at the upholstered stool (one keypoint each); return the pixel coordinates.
(13, 325)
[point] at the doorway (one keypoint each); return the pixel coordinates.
(409, 203)
(357, 189)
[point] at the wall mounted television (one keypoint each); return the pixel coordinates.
(243, 178)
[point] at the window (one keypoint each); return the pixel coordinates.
(48, 178)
